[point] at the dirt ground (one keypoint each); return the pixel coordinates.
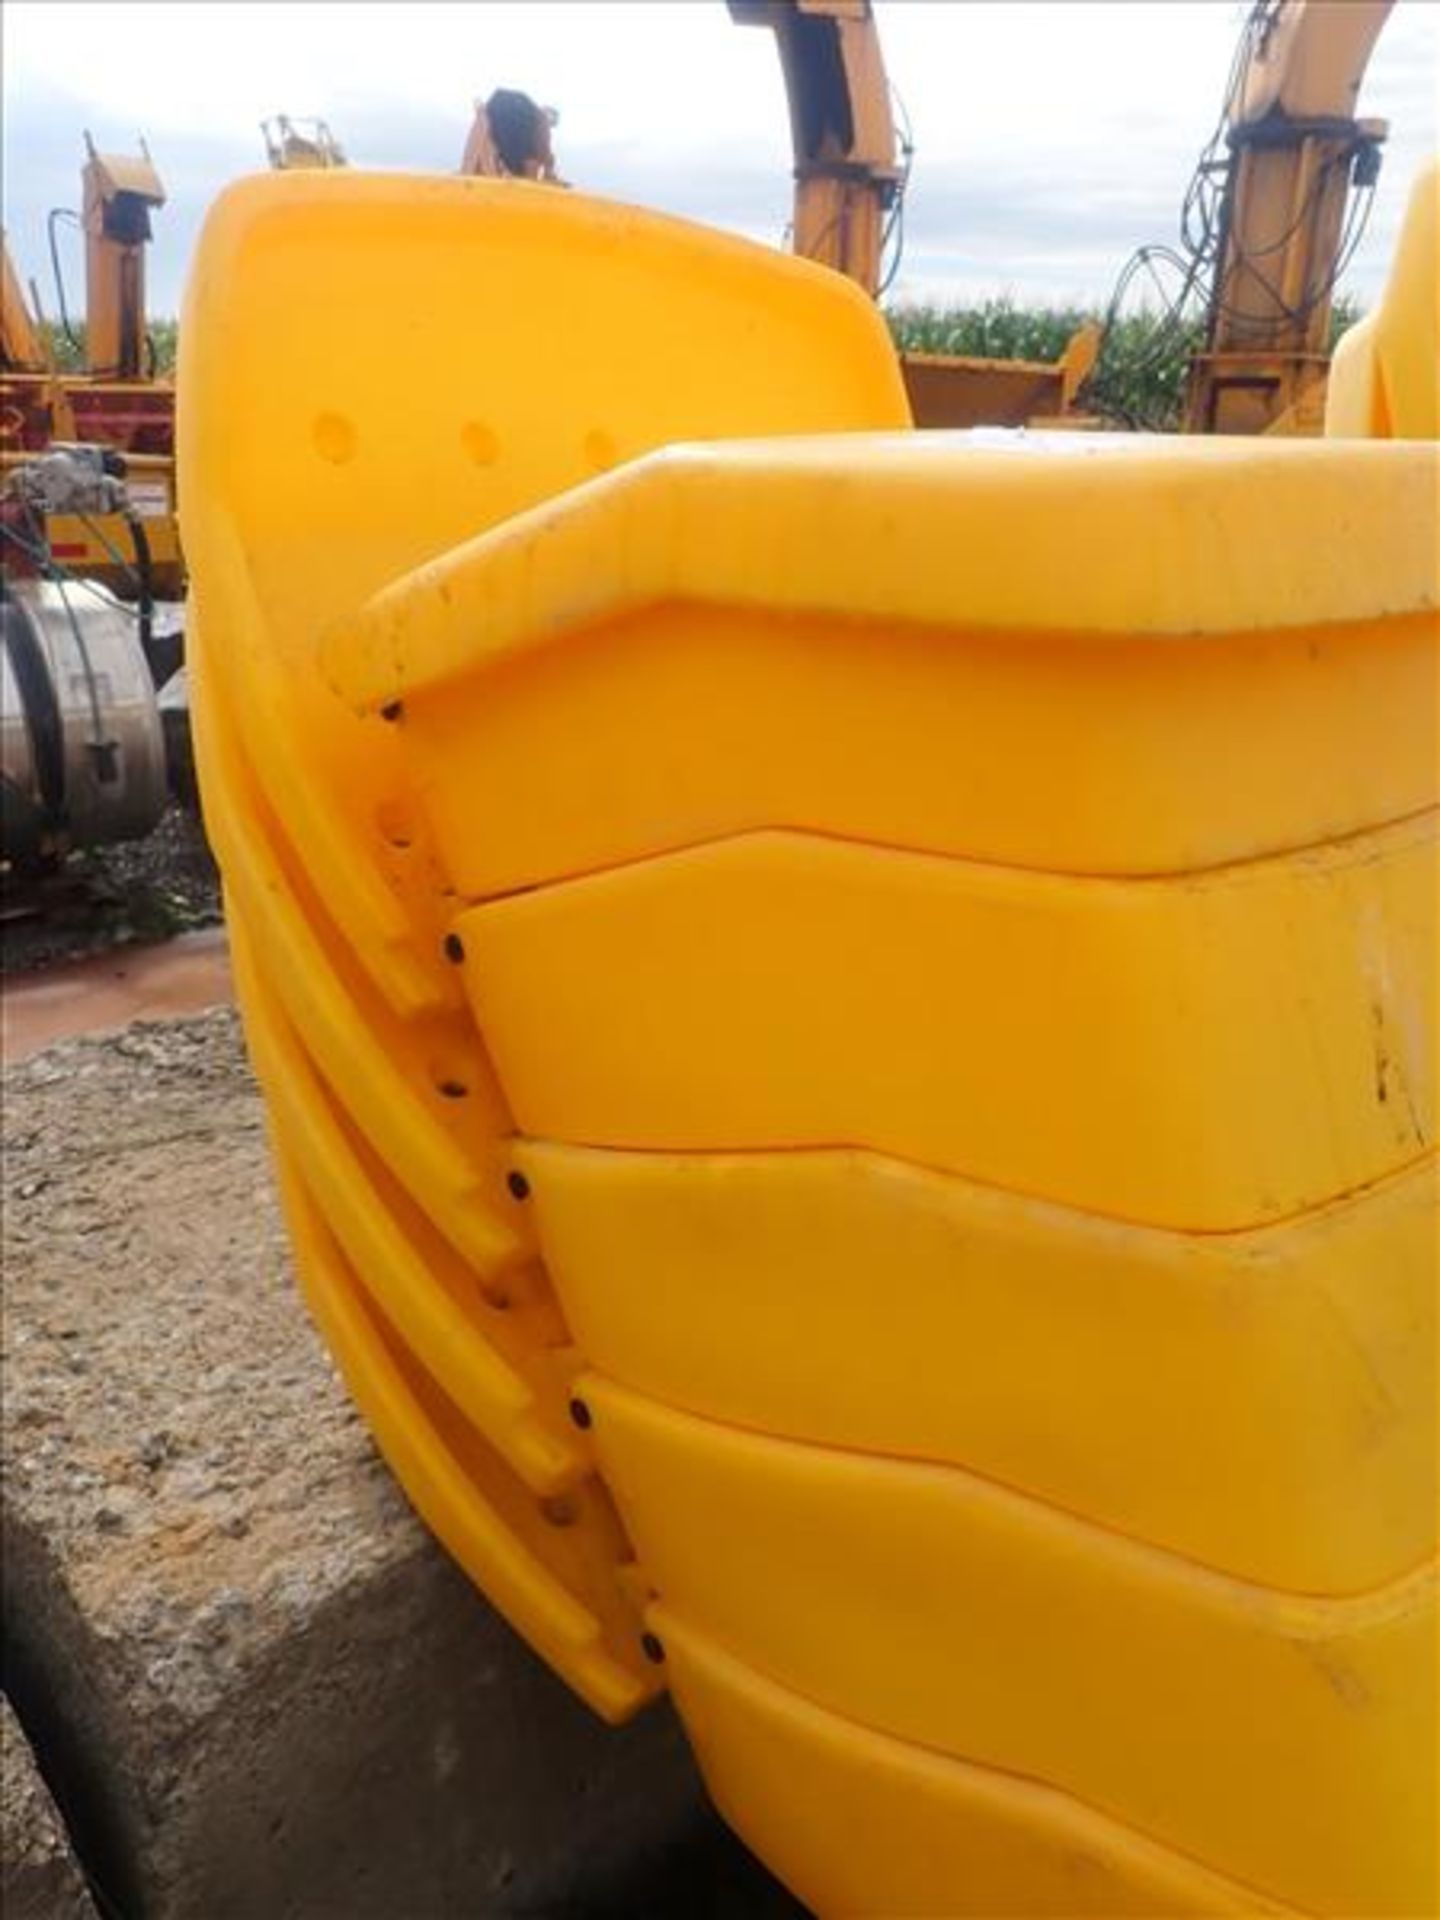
(108, 897)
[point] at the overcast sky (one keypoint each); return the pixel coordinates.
(1050, 138)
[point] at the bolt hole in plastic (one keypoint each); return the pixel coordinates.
(519, 1186)
(395, 823)
(581, 1414)
(454, 949)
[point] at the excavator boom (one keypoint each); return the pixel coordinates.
(20, 349)
(1296, 150)
(841, 127)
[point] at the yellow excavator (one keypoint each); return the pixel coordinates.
(300, 143)
(850, 176)
(509, 139)
(54, 425)
(1297, 167)
(851, 173)
(90, 547)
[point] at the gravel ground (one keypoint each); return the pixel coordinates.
(139, 1159)
(138, 891)
(39, 1878)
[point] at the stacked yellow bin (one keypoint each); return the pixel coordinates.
(1385, 377)
(880, 991)
(373, 369)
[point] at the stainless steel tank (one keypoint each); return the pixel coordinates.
(82, 750)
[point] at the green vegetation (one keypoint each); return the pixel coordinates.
(164, 339)
(997, 330)
(1142, 370)
(69, 352)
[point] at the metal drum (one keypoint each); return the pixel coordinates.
(82, 750)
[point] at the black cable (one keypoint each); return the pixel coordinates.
(39, 704)
(39, 553)
(79, 345)
(1352, 233)
(98, 533)
(147, 595)
(1307, 207)
(894, 230)
(102, 751)
(61, 213)
(1170, 339)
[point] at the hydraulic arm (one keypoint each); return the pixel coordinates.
(1296, 151)
(846, 172)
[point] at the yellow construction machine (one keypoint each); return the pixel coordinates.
(90, 545)
(119, 192)
(300, 143)
(54, 425)
(509, 139)
(1287, 221)
(1270, 220)
(851, 172)
(19, 337)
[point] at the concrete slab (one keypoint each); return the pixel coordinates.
(39, 1876)
(259, 1687)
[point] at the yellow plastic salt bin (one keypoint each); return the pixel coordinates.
(971, 1028)
(848, 1025)
(373, 369)
(1385, 375)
